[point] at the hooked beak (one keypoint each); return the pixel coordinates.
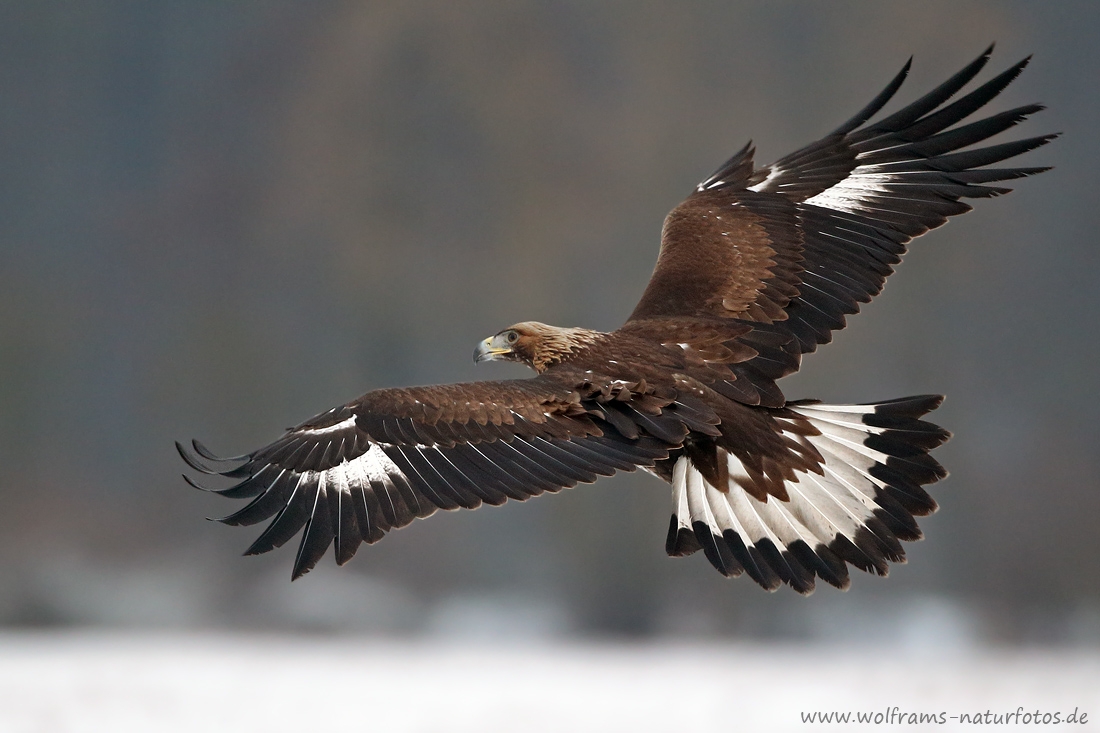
(491, 349)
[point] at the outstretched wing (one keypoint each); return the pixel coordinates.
(353, 473)
(796, 246)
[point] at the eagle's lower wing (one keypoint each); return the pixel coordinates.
(796, 246)
(353, 473)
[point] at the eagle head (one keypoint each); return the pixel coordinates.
(534, 344)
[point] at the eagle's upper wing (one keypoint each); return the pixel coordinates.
(796, 246)
(355, 472)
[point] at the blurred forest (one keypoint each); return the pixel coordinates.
(218, 219)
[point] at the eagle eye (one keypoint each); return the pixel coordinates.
(511, 337)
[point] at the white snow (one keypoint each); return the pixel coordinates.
(72, 682)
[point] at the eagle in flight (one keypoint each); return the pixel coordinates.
(757, 267)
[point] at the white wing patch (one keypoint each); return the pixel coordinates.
(774, 172)
(857, 192)
(342, 425)
(374, 466)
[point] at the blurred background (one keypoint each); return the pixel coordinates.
(219, 219)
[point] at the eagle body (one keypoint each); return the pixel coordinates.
(757, 267)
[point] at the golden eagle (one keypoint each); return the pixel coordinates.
(757, 267)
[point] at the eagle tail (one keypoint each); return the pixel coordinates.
(850, 500)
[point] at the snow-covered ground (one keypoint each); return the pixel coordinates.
(62, 682)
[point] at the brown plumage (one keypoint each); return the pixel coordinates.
(756, 268)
